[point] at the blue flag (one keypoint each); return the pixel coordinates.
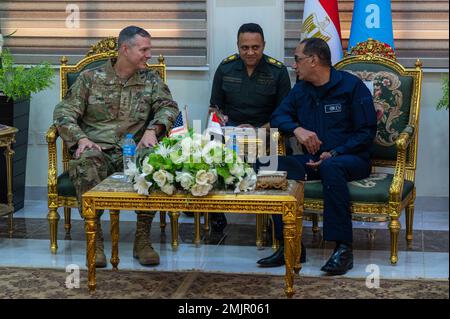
(371, 19)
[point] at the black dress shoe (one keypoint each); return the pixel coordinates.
(277, 258)
(274, 260)
(218, 221)
(340, 261)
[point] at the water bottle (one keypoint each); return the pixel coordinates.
(129, 153)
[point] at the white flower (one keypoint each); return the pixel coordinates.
(185, 179)
(168, 189)
(163, 150)
(249, 171)
(237, 170)
(212, 152)
(160, 177)
(212, 176)
(141, 185)
(246, 184)
(178, 155)
(201, 190)
(190, 145)
(169, 177)
(229, 180)
(146, 167)
(186, 145)
(131, 170)
(229, 158)
(202, 177)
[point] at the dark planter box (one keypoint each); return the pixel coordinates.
(15, 113)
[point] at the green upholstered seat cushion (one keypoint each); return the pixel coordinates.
(392, 100)
(65, 186)
(71, 77)
(374, 189)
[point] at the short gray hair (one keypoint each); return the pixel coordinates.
(128, 34)
(317, 46)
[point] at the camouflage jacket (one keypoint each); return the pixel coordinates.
(98, 106)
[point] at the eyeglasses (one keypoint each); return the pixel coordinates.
(299, 59)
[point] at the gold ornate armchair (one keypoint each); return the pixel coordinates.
(61, 192)
(391, 187)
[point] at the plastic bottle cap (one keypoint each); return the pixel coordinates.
(129, 135)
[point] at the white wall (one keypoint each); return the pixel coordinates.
(432, 167)
(226, 16)
(193, 88)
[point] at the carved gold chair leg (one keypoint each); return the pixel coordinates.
(174, 227)
(409, 212)
(315, 222)
(11, 224)
(67, 222)
(259, 231)
(115, 232)
(162, 221)
(53, 218)
(275, 242)
(394, 228)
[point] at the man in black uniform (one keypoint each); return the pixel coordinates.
(331, 113)
(247, 88)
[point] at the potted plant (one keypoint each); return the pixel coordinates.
(17, 83)
(443, 102)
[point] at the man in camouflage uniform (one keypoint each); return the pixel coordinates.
(247, 88)
(104, 104)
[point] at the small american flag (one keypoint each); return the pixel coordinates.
(179, 127)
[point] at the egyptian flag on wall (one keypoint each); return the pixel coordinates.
(371, 19)
(321, 20)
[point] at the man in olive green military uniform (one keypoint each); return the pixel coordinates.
(104, 104)
(247, 88)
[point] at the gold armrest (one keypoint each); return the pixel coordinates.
(396, 188)
(52, 135)
(409, 129)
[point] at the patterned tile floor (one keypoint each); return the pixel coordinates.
(234, 250)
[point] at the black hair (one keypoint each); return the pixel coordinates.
(251, 28)
(317, 46)
(128, 34)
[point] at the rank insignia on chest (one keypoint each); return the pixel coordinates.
(333, 108)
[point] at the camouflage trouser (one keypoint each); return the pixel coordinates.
(94, 166)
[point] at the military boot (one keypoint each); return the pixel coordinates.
(142, 249)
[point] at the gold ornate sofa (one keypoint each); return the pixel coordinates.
(391, 188)
(61, 192)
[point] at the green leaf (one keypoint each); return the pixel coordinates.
(223, 171)
(443, 102)
(18, 82)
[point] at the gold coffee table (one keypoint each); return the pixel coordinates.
(7, 137)
(115, 194)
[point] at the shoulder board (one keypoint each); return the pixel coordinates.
(230, 58)
(274, 62)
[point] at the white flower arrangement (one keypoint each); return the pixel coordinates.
(191, 163)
